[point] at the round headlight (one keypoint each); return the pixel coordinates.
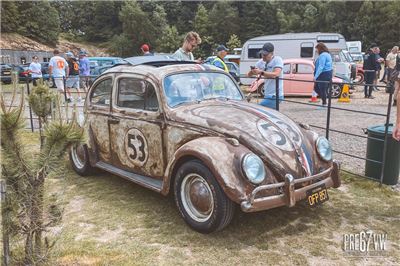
(254, 169)
(324, 149)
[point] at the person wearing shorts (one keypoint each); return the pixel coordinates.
(58, 69)
(84, 70)
(73, 78)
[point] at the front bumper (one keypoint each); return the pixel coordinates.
(290, 195)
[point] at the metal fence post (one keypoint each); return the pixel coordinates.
(4, 219)
(65, 88)
(277, 93)
(328, 115)
(385, 142)
(30, 109)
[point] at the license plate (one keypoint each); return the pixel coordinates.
(317, 195)
(6, 72)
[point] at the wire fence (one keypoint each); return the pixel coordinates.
(327, 128)
(33, 120)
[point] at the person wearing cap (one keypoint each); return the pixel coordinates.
(58, 69)
(370, 68)
(222, 51)
(35, 69)
(191, 41)
(73, 78)
(270, 67)
(145, 50)
(84, 70)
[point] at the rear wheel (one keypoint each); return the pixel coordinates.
(336, 90)
(359, 78)
(79, 157)
(260, 89)
(200, 199)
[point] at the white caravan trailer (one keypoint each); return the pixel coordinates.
(354, 47)
(296, 45)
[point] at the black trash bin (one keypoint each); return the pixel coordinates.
(375, 144)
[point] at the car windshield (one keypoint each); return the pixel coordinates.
(197, 87)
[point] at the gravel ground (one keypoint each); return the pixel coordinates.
(346, 121)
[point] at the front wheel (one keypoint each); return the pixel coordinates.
(359, 78)
(79, 157)
(200, 199)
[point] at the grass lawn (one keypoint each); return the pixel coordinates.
(110, 221)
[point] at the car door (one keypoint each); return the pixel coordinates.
(136, 130)
(302, 71)
(98, 114)
(287, 83)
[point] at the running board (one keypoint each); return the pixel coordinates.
(145, 181)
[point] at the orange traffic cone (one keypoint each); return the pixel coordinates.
(345, 94)
(313, 97)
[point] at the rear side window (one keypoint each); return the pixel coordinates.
(137, 94)
(307, 49)
(304, 69)
(101, 94)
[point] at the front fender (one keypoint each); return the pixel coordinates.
(222, 156)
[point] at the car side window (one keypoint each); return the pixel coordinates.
(286, 69)
(101, 94)
(304, 69)
(137, 94)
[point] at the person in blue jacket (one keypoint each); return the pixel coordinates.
(323, 71)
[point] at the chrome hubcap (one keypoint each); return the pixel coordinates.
(78, 156)
(197, 198)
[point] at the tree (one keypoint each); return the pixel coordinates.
(105, 22)
(224, 20)
(25, 172)
(39, 21)
(9, 17)
(202, 26)
(233, 42)
(136, 26)
(170, 40)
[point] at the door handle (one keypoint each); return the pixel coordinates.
(113, 120)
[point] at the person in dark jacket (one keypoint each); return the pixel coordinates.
(370, 68)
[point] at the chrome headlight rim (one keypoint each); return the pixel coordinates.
(318, 143)
(253, 180)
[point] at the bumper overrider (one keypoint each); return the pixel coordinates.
(289, 197)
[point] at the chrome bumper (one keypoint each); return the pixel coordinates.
(290, 195)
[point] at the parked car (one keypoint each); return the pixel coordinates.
(22, 72)
(232, 67)
(294, 70)
(5, 73)
(102, 61)
(177, 127)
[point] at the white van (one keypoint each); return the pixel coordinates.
(296, 45)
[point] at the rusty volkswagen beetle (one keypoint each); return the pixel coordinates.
(187, 129)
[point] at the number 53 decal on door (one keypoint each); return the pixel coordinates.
(136, 147)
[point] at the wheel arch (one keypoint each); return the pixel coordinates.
(208, 150)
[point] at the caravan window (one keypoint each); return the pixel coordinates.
(253, 51)
(307, 49)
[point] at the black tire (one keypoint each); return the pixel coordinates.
(260, 89)
(359, 78)
(219, 209)
(336, 90)
(79, 157)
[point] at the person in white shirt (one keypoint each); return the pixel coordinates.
(35, 69)
(58, 68)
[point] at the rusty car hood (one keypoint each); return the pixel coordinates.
(275, 138)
